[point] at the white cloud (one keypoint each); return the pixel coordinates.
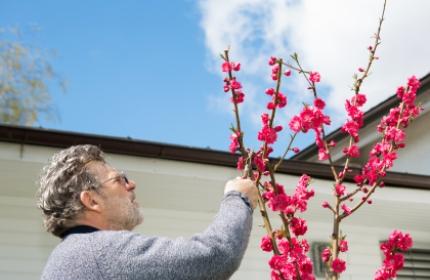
(331, 36)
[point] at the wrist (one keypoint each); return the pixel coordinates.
(243, 196)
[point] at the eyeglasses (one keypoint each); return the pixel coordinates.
(121, 178)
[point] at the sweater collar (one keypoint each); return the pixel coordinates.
(79, 229)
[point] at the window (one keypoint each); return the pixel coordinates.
(417, 264)
(316, 250)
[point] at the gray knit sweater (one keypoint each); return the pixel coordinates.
(213, 254)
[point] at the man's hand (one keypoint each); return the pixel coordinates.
(245, 186)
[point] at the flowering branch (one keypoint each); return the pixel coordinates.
(232, 85)
(289, 260)
(392, 249)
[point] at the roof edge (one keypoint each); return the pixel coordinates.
(126, 146)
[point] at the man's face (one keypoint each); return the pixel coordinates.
(119, 206)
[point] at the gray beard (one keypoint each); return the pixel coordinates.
(123, 214)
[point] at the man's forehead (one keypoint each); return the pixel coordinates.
(100, 168)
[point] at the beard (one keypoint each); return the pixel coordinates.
(123, 213)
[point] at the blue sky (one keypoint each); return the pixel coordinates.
(148, 69)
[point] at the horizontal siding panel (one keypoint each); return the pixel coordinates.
(21, 265)
(25, 252)
(19, 275)
(25, 239)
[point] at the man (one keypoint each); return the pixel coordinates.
(92, 207)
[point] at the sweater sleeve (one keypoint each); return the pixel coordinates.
(213, 254)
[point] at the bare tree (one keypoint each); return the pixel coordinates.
(25, 78)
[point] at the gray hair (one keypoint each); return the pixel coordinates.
(61, 182)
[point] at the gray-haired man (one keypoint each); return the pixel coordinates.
(92, 207)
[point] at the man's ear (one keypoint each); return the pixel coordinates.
(91, 200)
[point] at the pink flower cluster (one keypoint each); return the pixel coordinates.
(234, 144)
(314, 77)
(275, 68)
(292, 250)
(228, 67)
(355, 115)
(268, 134)
(337, 265)
(397, 243)
(293, 256)
(312, 118)
(278, 99)
(278, 200)
(392, 127)
(232, 84)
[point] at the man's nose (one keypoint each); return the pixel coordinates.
(131, 185)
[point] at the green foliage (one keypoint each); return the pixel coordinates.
(25, 76)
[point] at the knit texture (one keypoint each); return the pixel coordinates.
(215, 253)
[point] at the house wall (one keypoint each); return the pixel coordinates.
(415, 158)
(180, 199)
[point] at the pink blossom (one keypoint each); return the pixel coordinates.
(353, 151)
(351, 127)
(281, 100)
(238, 97)
(241, 163)
(397, 240)
(340, 189)
(277, 202)
(325, 204)
(277, 262)
(343, 245)
(298, 226)
(319, 103)
(323, 154)
(287, 73)
(265, 118)
(272, 61)
(295, 124)
(360, 69)
(338, 265)
(315, 77)
(304, 180)
(234, 144)
(346, 209)
(235, 84)
(267, 134)
(295, 150)
(400, 91)
(226, 67)
(271, 106)
(235, 66)
(395, 134)
(359, 99)
(270, 91)
(259, 162)
(325, 255)
(266, 243)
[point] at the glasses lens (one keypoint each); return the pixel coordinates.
(124, 177)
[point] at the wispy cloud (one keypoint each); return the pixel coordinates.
(331, 36)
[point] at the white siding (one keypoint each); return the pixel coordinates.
(180, 199)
